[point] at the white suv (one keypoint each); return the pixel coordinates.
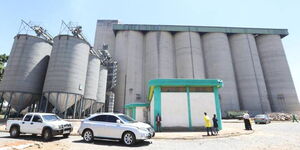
(114, 126)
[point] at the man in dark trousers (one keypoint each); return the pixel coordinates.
(216, 126)
(158, 122)
(247, 121)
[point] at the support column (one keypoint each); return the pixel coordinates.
(80, 108)
(189, 107)
(47, 101)
(2, 101)
(157, 104)
(218, 107)
(75, 107)
(8, 107)
(66, 104)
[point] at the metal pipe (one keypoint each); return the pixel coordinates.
(75, 107)
(56, 101)
(66, 110)
(47, 101)
(2, 101)
(80, 108)
(8, 106)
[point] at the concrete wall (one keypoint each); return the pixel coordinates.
(151, 113)
(201, 102)
(219, 65)
(140, 114)
(129, 54)
(105, 35)
(250, 80)
(189, 57)
(278, 77)
(145, 55)
(174, 109)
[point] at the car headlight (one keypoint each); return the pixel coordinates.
(143, 129)
(58, 127)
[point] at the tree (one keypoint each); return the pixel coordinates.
(3, 60)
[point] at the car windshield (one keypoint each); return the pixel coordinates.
(126, 119)
(51, 118)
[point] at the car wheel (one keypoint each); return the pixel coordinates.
(66, 135)
(88, 136)
(47, 134)
(14, 132)
(128, 138)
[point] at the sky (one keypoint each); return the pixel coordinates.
(232, 13)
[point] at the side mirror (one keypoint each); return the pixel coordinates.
(118, 121)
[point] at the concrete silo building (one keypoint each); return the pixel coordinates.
(250, 61)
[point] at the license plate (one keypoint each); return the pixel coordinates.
(67, 131)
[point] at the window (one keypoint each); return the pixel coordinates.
(99, 118)
(51, 118)
(173, 89)
(126, 119)
(111, 119)
(36, 118)
(28, 118)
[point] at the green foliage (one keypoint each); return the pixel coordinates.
(3, 60)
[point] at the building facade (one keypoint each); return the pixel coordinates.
(250, 61)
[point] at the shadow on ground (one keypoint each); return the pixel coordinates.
(115, 143)
(34, 138)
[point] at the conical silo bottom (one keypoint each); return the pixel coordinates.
(19, 100)
(61, 101)
(97, 107)
(87, 103)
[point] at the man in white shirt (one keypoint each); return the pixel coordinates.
(247, 121)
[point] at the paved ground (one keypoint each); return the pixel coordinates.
(278, 136)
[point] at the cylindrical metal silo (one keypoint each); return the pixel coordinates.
(92, 79)
(219, 65)
(66, 74)
(249, 76)
(281, 89)
(189, 55)
(159, 56)
(129, 55)
(101, 93)
(25, 71)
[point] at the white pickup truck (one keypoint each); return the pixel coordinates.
(45, 124)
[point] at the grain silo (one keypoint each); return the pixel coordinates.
(91, 84)
(249, 75)
(130, 75)
(280, 85)
(25, 71)
(101, 92)
(66, 74)
(219, 65)
(189, 56)
(157, 51)
(159, 56)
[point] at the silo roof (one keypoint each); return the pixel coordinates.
(201, 29)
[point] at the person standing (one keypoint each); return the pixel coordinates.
(158, 122)
(247, 121)
(208, 124)
(216, 126)
(294, 118)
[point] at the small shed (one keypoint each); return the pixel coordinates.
(138, 111)
(181, 103)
